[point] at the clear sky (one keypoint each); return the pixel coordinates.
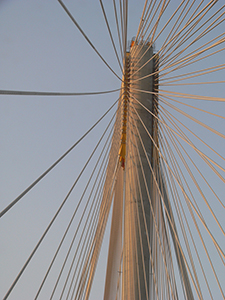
(42, 50)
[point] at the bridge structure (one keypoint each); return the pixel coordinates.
(147, 189)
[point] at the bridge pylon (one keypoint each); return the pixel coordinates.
(140, 249)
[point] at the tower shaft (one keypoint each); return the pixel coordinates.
(137, 223)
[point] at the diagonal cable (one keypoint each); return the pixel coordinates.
(52, 166)
(110, 34)
(87, 39)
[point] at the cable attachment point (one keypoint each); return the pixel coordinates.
(125, 90)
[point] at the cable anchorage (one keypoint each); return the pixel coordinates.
(125, 100)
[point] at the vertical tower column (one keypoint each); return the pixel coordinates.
(137, 224)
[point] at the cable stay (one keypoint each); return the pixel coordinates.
(33, 93)
(53, 165)
(85, 36)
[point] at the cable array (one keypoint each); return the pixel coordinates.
(166, 233)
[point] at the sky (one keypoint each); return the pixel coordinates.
(42, 50)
